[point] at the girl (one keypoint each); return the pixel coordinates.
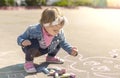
(45, 37)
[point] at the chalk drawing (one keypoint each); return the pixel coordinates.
(98, 66)
(92, 67)
(92, 63)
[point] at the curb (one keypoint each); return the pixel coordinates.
(20, 7)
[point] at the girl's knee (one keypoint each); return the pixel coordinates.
(35, 52)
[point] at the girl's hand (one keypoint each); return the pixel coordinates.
(74, 51)
(26, 43)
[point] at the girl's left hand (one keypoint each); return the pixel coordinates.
(74, 51)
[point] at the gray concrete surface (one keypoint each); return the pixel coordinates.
(96, 33)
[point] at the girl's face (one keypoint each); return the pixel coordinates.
(53, 30)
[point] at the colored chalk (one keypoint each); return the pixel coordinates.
(56, 75)
(51, 73)
(72, 75)
(68, 75)
(43, 69)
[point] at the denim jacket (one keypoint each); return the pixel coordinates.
(35, 32)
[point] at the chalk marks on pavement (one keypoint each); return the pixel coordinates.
(96, 67)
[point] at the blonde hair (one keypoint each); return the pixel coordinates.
(51, 14)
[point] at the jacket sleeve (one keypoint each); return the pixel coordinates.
(64, 44)
(23, 36)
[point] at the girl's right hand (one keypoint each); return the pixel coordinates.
(74, 51)
(26, 43)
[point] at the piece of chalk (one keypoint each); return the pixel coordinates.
(67, 75)
(45, 70)
(56, 75)
(72, 75)
(76, 54)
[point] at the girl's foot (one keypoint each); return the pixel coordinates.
(54, 59)
(29, 67)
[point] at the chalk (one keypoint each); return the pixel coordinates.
(43, 69)
(56, 75)
(68, 75)
(76, 54)
(72, 75)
